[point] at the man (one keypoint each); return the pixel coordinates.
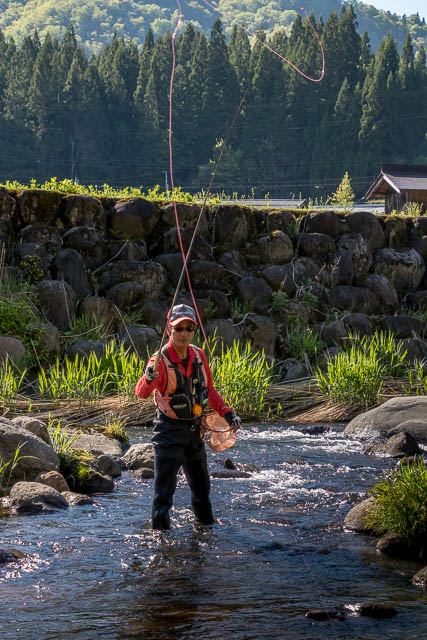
(182, 386)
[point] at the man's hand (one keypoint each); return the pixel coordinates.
(233, 420)
(150, 374)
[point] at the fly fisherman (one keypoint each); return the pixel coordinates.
(182, 386)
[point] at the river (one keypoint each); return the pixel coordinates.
(277, 551)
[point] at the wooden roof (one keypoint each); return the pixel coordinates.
(398, 178)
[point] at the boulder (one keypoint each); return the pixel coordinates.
(419, 226)
(154, 312)
(292, 369)
(53, 479)
(200, 250)
(215, 304)
(34, 426)
(326, 222)
(32, 260)
(402, 444)
(384, 291)
(376, 610)
(46, 240)
(58, 301)
(105, 465)
(7, 205)
(35, 456)
(188, 214)
(7, 238)
(173, 264)
(94, 482)
(144, 473)
(281, 277)
(276, 248)
(77, 499)
(306, 271)
(368, 226)
(234, 263)
(355, 518)
(134, 218)
(12, 348)
(420, 578)
(420, 246)
(326, 356)
(397, 546)
(100, 310)
(49, 341)
(33, 497)
(98, 444)
(417, 300)
(375, 423)
(356, 248)
(402, 326)
(81, 211)
(126, 295)
(151, 275)
(357, 323)
(331, 333)
(224, 330)
(89, 242)
(70, 267)
(232, 224)
(346, 298)
(282, 220)
(209, 275)
(396, 231)
(83, 348)
(342, 268)
(142, 340)
(261, 332)
(317, 246)
(416, 349)
(139, 456)
(408, 427)
(127, 250)
(39, 206)
(405, 269)
(10, 555)
(255, 291)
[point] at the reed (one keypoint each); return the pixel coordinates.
(242, 377)
(400, 500)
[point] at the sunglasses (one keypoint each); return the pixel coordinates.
(187, 329)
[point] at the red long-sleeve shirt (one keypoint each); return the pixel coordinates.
(144, 389)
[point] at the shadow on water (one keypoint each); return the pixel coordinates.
(277, 550)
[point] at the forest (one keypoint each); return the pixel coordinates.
(103, 118)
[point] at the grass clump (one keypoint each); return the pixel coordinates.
(400, 504)
(89, 326)
(354, 377)
(242, 377)
(301, 342)
(11, 379)
(61, 439)
(76, 469)
(7, 468)
(115, 428)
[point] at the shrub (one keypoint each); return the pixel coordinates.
(400, 504)
(354, 377)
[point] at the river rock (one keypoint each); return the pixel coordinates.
(10, 555)
(200, 250)
(107, 466)
(126, 295)
(188, 215)
(140, 456)
(317, 246)
(405, 269)
(355, 518)
(39, 206)
(234, 263)
(357, 323)
(396, 232)
(292, 369)
(173, 264)
(280, 277)
(256, 292)
(100, 310)
(261, 332)
(224, 330)
(134, 218)
(213, 303)
(420, 578)
(375, 423)
(35, 455)
(276, 248)
(151, 275)
(58, 300)
(207, 275)
(99, 444)
(12, 348)
(367, 225)
(306, 271)
(396, 545)
(324, 614)
(90, 243)
(283, 220)
(402, 444)
(35, 426)
(417, 300)
(331, 333)
(154, 312)
(346, 298)
(144, 473)
(402, 326)
(142, 340)
(232, 224)
(70, 267)
(33, 497)
(53, 479)
(80, 210)
(127, 250)
(83, 348)
(77, 499)
(229, 473)
(326, 222)
(49, 342)
(46, 240)
(356, 248)
(416, 349)
(377, 610)
(384, 292)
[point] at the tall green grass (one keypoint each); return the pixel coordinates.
(11, 379)
(242, 377)
(7, 468)
(400, 504)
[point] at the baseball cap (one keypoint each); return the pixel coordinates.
(181, 312)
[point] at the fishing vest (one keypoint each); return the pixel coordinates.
(182, 393)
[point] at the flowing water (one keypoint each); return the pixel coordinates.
(277, 551)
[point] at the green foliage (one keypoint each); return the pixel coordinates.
(31, 266)
(279, 301)
(301, 342)
(354, 377)
(242, 377)
(401, 504)
(389, 352)
(76, 469)
(11, 379)
(307, 299)
(417, 380)
(412, 209)
(239, 309)
(90, 326)
(344, 196)
(7, 468)
(115, 428)
(62, 439)
(209, 310)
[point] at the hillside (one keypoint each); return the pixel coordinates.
(96, 20)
